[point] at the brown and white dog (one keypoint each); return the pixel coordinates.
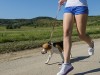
(52, 48)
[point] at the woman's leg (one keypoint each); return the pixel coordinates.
(67, 32)
(81, 22)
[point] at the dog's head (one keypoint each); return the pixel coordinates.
(46, 47)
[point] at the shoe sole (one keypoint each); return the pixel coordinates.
(69, 71)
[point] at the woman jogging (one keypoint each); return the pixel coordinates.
(77, 9)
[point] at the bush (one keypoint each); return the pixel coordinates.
(13, 26)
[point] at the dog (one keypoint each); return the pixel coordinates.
(52, 47)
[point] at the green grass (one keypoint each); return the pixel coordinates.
(30, 37)
(28, 33)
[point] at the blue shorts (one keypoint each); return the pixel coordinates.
(76, 10)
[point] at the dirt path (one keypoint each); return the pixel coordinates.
(31, 62)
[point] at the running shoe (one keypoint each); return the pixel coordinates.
(91, 49)
(65, 69)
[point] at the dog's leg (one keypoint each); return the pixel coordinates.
(60, 52)
(49, 57)
(71, 55)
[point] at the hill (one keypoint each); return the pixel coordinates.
(42, 21)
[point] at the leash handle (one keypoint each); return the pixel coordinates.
(59, 8)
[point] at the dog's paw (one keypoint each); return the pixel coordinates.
(61, 63)
(46, 62)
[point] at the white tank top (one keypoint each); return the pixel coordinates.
(70, 3)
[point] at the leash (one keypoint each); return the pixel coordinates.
(59, 7)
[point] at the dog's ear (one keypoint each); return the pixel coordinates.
(45, 45)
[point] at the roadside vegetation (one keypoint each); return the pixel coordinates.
(22, 34)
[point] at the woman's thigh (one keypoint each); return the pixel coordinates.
(81, 22)
(68, 22)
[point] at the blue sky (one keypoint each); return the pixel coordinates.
(12, 9)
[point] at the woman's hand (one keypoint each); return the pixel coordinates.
(61, 2)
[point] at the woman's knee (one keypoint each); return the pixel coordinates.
(67, 33)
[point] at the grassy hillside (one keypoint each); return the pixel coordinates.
(28, 36)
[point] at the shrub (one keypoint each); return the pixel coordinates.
(13, 26)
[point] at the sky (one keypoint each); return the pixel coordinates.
(27, 9)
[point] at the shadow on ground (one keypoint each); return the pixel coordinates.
(77, 59)
(74, 59)
(87, 72)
